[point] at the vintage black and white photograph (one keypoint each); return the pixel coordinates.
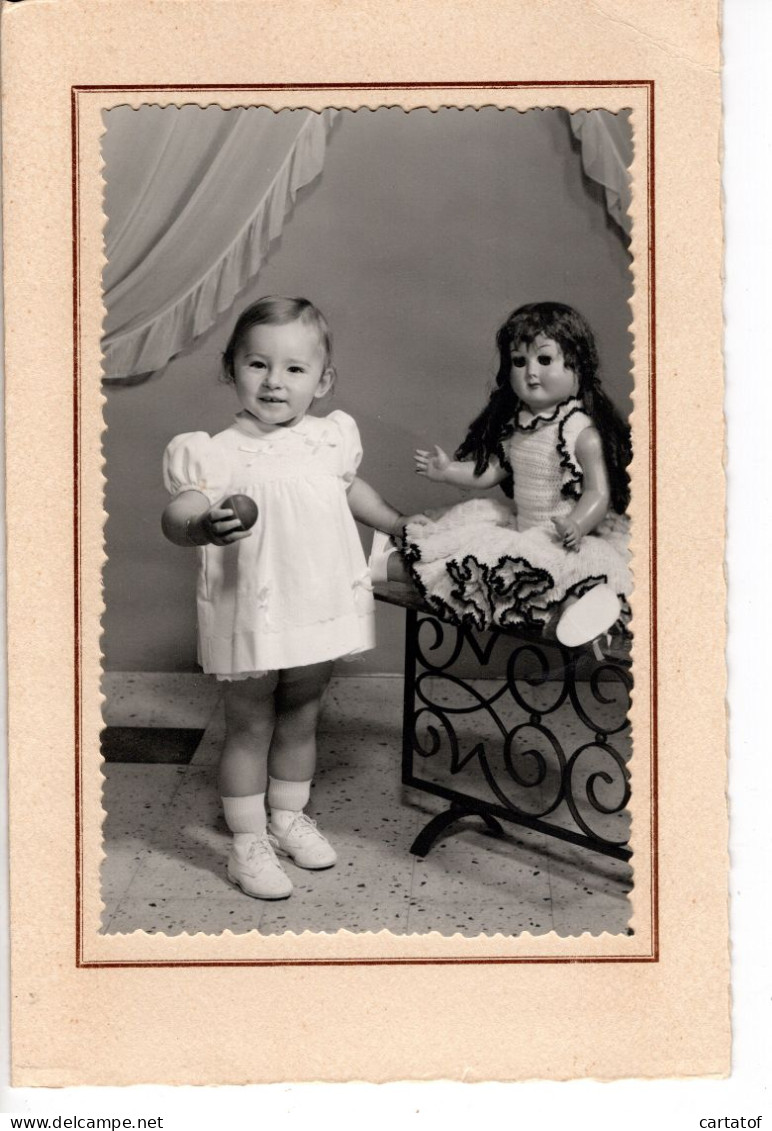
(367, 639)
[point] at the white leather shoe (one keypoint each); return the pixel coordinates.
(304, 844)
(589, 617)
(253, 866)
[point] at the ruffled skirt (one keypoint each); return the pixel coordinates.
(473, 565)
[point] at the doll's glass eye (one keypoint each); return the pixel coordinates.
(518, 362)
(544, 359)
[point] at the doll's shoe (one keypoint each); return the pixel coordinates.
(589, 617)
(381, 550)
(304, 844)
(252, 866)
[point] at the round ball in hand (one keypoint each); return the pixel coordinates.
(244, 509)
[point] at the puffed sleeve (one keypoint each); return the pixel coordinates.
(351, 444)
(190, 464)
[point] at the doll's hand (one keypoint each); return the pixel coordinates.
(568, 532)
(433, 466)
(221, 526)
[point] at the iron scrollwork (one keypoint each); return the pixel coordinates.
(522, 730)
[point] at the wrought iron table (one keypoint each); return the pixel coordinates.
(532, 746)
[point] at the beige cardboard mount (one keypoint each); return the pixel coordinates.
(97, 1009)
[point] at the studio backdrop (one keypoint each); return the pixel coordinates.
(415, 233)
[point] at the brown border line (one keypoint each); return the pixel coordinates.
(80, 962)
(653, 642)
(76, 518)
(504, 85)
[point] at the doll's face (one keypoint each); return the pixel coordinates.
(279, 371)
(540, 377)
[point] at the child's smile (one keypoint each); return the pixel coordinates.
(279, 372)
(540, 377)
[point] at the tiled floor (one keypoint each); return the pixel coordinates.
(166, 843)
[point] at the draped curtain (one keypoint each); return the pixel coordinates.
(607, 153)
(195, 196)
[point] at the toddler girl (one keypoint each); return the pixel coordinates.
(277, 603)
(557, 556)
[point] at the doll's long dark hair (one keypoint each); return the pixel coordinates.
(496, 422)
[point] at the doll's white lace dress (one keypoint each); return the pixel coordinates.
(492, 562)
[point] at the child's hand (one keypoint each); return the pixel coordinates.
(407, 520)
(432, 466)
(568, 532)
(418, 519)
(222, 527)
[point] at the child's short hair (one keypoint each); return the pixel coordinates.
(275, 310)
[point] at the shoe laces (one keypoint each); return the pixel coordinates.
(304, 828)
(261, 849)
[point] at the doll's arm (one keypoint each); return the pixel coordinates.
(368, 507)
(593, 506)
(439, 467)
(189, 520)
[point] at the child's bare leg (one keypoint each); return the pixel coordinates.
(298, 701)
(292, 762)
(250, 720)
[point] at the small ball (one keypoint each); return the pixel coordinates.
(244, 509)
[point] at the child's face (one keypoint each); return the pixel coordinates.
(540, 377)
(279, 372)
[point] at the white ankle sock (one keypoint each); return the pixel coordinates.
(291, 795)
(245, 816)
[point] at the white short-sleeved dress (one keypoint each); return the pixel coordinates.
(489, 562)
(298, 590)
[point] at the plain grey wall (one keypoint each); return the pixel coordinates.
(424, 231)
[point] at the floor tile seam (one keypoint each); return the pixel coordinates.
(106, 920)
(223, 891)
(548, 859)
(551, 891)
(419, 822)
(212, 721)
(145, 854)
(182, 776)
(148, 851)
(215, 708)
(116, 910)
(145, 851)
